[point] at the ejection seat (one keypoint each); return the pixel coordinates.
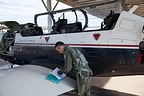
(71, 28)
(29, 29)
(110, 21)
(35, 31)
(58, 25)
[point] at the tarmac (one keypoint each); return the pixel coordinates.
(111, 86)
(96, 91)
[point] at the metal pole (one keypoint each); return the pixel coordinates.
(56, 5)
(49, 7)
(45, 5)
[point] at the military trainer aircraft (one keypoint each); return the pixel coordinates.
(111, 49)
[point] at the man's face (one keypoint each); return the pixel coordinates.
(60, 49)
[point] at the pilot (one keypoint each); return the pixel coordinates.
(74, 59)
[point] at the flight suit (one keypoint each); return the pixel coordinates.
(75, 59)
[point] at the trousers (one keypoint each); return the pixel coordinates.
(83, 85)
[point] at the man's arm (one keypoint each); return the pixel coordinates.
(68, 63)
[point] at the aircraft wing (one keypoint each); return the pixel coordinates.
(29, 80)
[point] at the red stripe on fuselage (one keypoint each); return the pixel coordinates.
(102, 45)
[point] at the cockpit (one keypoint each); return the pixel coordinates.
(72, 20)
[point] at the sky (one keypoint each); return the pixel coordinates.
(22, 11)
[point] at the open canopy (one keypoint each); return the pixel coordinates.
(118, 5)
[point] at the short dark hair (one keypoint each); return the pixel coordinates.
(59, 43)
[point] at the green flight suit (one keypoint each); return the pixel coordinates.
(75, 59)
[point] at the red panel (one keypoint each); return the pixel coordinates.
(96, 36)
(47, 39)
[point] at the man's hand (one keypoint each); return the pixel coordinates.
(60, 72)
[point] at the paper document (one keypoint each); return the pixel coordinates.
(54, 77)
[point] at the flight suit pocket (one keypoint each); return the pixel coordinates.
(85, 76)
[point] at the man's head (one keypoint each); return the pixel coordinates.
(60, 47)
